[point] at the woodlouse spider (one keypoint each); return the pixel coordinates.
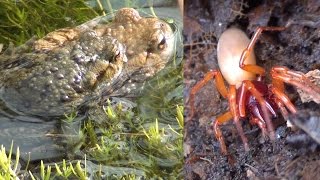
(248, 94)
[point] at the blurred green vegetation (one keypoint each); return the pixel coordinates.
(22, 19)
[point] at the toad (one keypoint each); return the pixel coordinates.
(69, 67)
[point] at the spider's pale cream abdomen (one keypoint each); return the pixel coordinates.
(231, 44)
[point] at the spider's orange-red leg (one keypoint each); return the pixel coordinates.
(224, 92)
(297, 79)
(242, 103)
(217, 131)
(261, 124)
(278, 84)
(281, 98)
(282, 108)
(208, 76)
(284, 100)
(252, 67)
(259, 97)
(234, 109)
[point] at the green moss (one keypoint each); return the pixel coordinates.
(8, 167)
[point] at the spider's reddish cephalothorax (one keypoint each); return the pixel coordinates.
(247, 94)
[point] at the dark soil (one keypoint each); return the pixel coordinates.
(294, 155)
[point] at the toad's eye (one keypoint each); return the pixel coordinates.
(162, 43)
(120, 57)
(117, 55)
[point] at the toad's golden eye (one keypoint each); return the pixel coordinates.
(117, 55)
(162, 43)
